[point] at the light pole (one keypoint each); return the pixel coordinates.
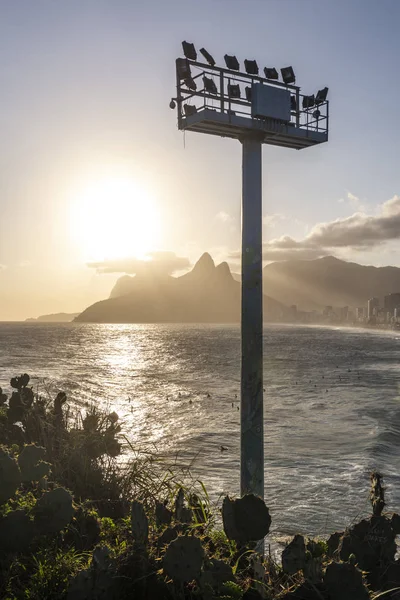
(254, 110)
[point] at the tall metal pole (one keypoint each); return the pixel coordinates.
(252, 430)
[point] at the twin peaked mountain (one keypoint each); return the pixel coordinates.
(207, 294)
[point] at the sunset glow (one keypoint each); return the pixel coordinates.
(115, 218)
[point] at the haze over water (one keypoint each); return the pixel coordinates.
(332, 404)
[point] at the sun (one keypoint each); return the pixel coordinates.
(115, 218)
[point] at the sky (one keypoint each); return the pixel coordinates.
(95, 176)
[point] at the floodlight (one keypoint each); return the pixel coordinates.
(316, 114)
(172, 104)
(247, 90)
(189, 109)
(233, 90)
(209, 85)
(308, 101)
(288, 75)
(251, 67)
(293, 103)
(207, 56)
(183, 68)
(271, 73)
(321, 95)
(189, 50)
(231, 62)
(190, 83)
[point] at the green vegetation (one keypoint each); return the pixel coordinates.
(77, 525)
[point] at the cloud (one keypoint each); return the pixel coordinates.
(160, 263)
(223, 216)
(360, 231)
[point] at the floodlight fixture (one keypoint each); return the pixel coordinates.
(251, 67)
(247, 90)
(209, 85)
(288, 75)
(183, 68)
(321, 95)
(189, 109)
(271, 73)
(316, 114)
(190, 83)
(231, 62)
(172, 104)
(233, 90)
(293, 103)
(308, 101)
(189, 50)
(207, 56)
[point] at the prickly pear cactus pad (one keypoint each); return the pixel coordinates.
(139, 523)
(31, 464)
(184, 558)
(344, 582)
(10, 476)
(294, 555)
(16, 531)
(245, 519)
(53, 511)
(215, 573)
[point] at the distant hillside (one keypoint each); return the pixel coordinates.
(207, 294)
(312, 284)
(56, 318)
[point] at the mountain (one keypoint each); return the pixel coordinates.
(206, 294)
(312, 284)
(56, 318)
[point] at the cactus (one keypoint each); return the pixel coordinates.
(215, 574)
(31, 464)
(139, 523)
(169, 534)
(20, 382)
(97, 582)
(344, 582)
(246, 519)
(377, 494)
(163, 514)
(3, 398)
(183, 559)
(294, 555)
(53, 511)
(10, 476)
(16, 531)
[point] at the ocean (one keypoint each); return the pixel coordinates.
(331, 404)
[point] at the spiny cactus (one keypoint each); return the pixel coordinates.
(53, 511)
(10, 476)
(139, 523)
(20, 382)
(163, 514)
(377, 494)
(294, 555)
(3, 398)
(245, 519)
(344, 582)
(215, 573)
(16, 531)
(31, 464)
(97, 582)
(184, 558)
